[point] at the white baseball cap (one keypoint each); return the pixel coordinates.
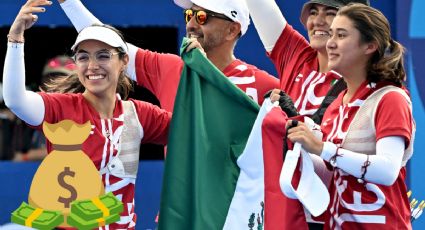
(237, 10)
(103, 34)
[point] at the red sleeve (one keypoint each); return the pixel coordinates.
(49, 112)
(60, 106)
(265, 82)
(394, 117)
(155, 122)
(160, 74)
(291, 51)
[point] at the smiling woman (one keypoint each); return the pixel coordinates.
(118, 126)
(368, 131)
(101, 59)
(302, 65)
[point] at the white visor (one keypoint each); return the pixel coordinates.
(100, 33)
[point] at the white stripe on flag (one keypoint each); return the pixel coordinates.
(249, 192)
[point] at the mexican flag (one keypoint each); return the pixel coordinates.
(209, 130)
(258, 202)
(281, 211)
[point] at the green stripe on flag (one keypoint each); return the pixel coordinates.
(210, 126)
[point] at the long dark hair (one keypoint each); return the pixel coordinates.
(71, 84)
(387, 63)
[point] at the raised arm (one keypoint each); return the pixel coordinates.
(27, 105)
(81, 17)
(268, 20)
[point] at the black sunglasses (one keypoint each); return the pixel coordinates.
(202, 16)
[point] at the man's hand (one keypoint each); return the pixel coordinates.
(193, 43)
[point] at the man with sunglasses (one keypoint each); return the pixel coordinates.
(212, 26)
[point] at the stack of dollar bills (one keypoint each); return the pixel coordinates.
(96, 212)
(36, 217)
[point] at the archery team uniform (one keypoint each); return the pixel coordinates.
(160, 73)
(355, 205)
(297, 64)
(133, 122)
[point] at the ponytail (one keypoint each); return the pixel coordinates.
(389, 66)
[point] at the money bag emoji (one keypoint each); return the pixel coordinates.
(67, 173)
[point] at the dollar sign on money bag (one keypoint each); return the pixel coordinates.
(67, 173)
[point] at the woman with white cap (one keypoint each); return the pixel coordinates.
(101, 58)
(301, 65)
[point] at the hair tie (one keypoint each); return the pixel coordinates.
(12, 40)
(366, 164)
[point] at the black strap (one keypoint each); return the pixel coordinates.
(332, 94)
(285, 138)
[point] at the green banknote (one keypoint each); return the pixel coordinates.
(43, 220)
(79, 223)
(88, 210)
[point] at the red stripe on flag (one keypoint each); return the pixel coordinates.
(280, 212)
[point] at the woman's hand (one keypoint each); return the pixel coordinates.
(284, 100)
(26, 18)
(302, 134)
(275, 95)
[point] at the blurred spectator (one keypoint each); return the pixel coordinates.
(58, 67)
(15, 136)
(18, 142)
